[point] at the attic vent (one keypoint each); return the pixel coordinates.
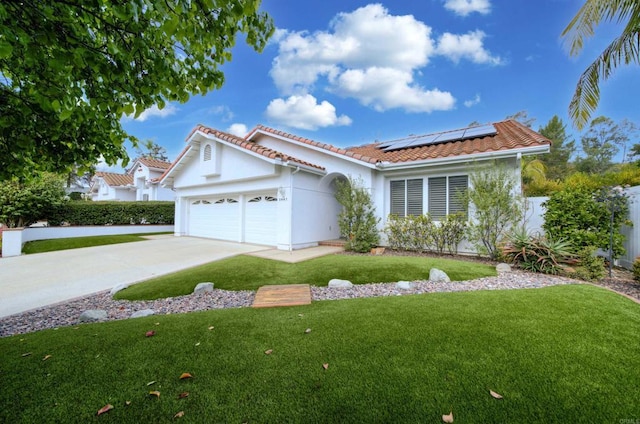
(207, 153)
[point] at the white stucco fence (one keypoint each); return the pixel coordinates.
(14, 238)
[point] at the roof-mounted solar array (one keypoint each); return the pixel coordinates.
(443, 137)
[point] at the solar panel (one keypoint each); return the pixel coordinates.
(437, 138)
(480, 131)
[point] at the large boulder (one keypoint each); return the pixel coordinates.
(340, 284)
(404, 285)
(93, 315)
(503, 267)
(203, 288)
(143, 313)
(438, 275)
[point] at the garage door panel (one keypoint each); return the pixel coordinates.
(261, 220)
(215, 218)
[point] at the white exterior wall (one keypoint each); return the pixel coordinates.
(142, 177)
(534, 214)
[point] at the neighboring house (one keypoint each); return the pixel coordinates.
(141, 182)
(112, 186)
(277, 189)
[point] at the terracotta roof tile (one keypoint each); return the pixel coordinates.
(510, 135)
(115, 180)
(152, 163)
(252, 146)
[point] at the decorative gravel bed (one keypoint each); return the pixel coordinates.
(67, 314)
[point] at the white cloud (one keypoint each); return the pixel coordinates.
(472, 102)
(466, 7)
(304, 112)
(153, 111)
(238, 129)
(388, 88)
(103, 167)
(466, 46)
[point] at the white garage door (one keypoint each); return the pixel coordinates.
(215, 218)
(260, 220)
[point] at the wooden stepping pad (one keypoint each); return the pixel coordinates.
(286, 295)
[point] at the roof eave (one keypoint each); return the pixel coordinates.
(498, 154)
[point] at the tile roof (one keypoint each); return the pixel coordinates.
(152, 163)
(115, 180)
(325, 146)
(510, 135)
(252, 146)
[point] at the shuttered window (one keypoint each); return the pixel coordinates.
(397, 197)
(457, 187)
(438, 197)
(406, 197)
(444, 195)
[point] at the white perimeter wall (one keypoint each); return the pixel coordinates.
(632, 234)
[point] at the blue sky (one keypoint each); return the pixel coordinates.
(351, 72)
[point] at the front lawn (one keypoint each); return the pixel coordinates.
(250, 273)
(563, 354)
(41, 246)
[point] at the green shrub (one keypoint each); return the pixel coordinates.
(113, 213)
(537, 253)
(23, 203)
(590, 266)
(636, 269)
(357, 220)
(576, 214)
(75, 195)
(420, 233)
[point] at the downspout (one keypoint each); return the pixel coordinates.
(291, 206)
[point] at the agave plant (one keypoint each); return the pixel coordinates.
(537, 253)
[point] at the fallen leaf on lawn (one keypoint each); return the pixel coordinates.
(155, 393)
(150, 383)
(325, 366)
(183, 395)
(179, 415)
(104, 409)
(198, 344)
(150, 333)
(300, 315)
(211, 327)
(128, 403)
(448, 418)
(26, 354)
(307, 331)
(157, 323)
(46, 357)
(495, 395)
(185, 375)
(268, 351)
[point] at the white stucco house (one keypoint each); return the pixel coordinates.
(141, 182)
(277, 189)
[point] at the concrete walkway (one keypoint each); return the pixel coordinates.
(296, 255)
(33, 281)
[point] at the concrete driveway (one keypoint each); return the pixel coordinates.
(33, 281)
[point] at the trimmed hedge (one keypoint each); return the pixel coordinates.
(113, 213)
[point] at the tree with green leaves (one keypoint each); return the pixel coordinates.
(357, 220)
(69, 70)
(23, 203)
(601, 143)
(557, 160)
(496, 207)
(154, 151)
(523, 117)
(624, 49)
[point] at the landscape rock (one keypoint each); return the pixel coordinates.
(143, 313)
(92, 315)
(438, 275)
(203, 287)
(404, 285)
(340, 284)
(503, 267)
(118, 288)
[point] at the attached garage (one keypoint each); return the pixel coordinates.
(225, 219)
(215, 218)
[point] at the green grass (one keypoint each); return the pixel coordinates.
(564, 354)
(250, 273)
(51, 245)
